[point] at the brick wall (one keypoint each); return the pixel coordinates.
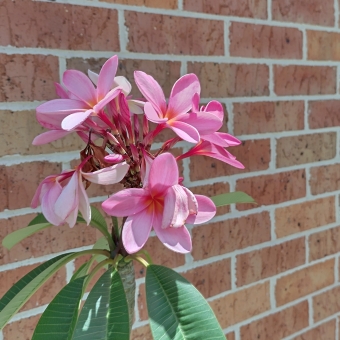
(270, 271)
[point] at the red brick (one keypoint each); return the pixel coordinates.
(19, 182)
(273, 189)
(295, 80)
(169, 4)
(304, 216)
(241, 305)
(241, 8)
(155, 33)
(262, 41)
(253, 154)
(278, 325)
(326, 331)
(27, 77)
(231, 80)
(315, 12)
(211, 190)
(48, 241)
(22, 329)
(303, 282)
(303, 149)
(25, 125)
(141, 333)
(224, 237)
(230, 336)
(141, 302)
(323, 45)
(324, 243)
(44, 295)
(325, 179)
(326, 304)
(211, 279)
(52, 25)
(269, 261)
(323, 114)
(165, 72)
(263, 117)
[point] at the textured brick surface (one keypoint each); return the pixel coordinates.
(242, 8)
(273, 189)
(52, 25)
(241, 305)
(169, 4)
(155, 33)
(27, 77)
(305, 281)
(323, 45)
(317, 12)
(254, 155)
(326, 304)
(22, 329)
(305, 149)
(227, 236)
(231, 80)
(323, 114)
(278, 325)
(325, 331)
(304, 80)
(269, 261)
(325, 179)
(303, 216)
(141, 333)
(165, 72)
(262, 41)
(263, 117)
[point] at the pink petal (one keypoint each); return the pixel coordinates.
(49, 136)
(71, 219)
(126, 202)
(176, 239)
(136, 106)
(93, 76)
(192, 201)
(231, 140)
(75, 119)
(123, 83)
(107, 176)
(182, 93)
(60, 91)
(206, 210)
(151, 90)
(84, 204)
(113, 158)
(176, 207)
(81, 86)
(214, 107)
(136, 231)
(152, 115)
(185, 131)
(106, 77)
(195, 102)
(204, 122)
(214, 138)
(145, 168)
(43, 187)
(48, 203)
(163, 173)
(109, 96)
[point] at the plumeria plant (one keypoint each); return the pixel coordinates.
(119, 149)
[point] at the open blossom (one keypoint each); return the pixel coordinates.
(163, 204)
(62, 196)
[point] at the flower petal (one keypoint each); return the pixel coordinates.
(151, 90)
(113, 158)
(152, 115)
(93, 76)
(136, 231)
(48, 204)
(60, 91)
(185, 131)
(109, 96)
(106, 176)
(206, 210)
(81, 86)
(123, 83)
(49, 136)
(182, 93)
(204, 122)
(126, 202)
(163, 173)
(84, 204)
(106, 77)
(75, 119)
(136, 106)
(214, 107)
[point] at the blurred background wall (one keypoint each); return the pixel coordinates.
(269, 271)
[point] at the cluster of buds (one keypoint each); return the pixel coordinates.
(118, 140)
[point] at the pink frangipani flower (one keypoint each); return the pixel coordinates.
(62, 196)
(163, 204)
(175, 115)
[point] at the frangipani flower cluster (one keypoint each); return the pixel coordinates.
(115, 128)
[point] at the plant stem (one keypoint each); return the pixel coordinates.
(127, 274)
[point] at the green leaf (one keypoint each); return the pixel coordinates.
(105, 313)
(59, 318)
(81, 271)
(177, 310)
(17, 236)
(17, 287)
(40, 218)
(232, 197)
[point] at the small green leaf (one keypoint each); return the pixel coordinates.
(105, 313)
(81, 271)
(59, 318)
(232, 197)
(17, 236)
(40, 218)
(177, 311)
